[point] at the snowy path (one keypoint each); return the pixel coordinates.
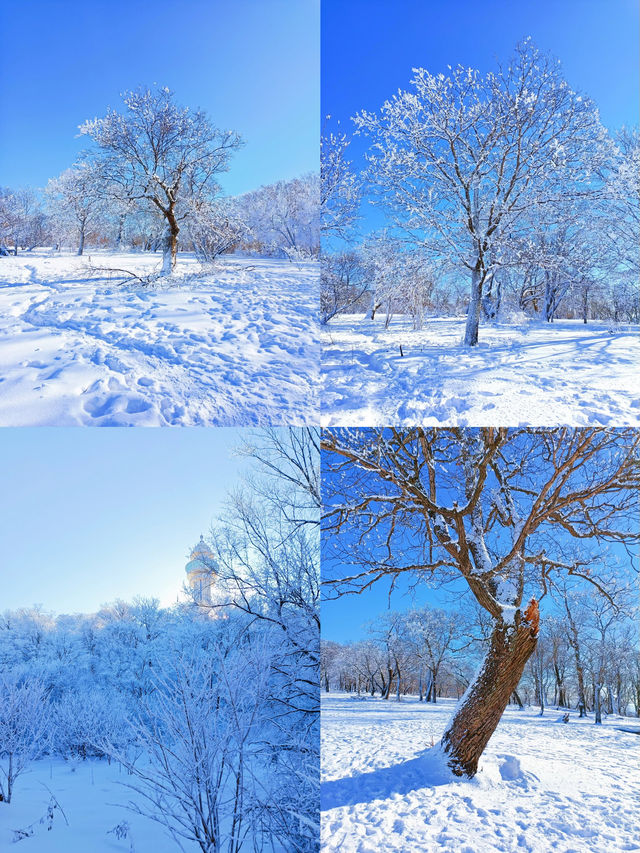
(538, 375)
(230, 347)
(542, 785)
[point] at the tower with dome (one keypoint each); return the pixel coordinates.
(201, 574)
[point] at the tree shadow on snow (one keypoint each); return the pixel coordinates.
(428, 770)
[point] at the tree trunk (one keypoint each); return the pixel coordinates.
(81, 245)
(170, 244)
(510, 648)
(10, 779)
(120, 230)
(561, 695)
(549, 297)
(597, 705)
(387, 691)
(574, 642)
(473, 312)
(427, 692)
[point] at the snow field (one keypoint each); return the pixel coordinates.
(231, 346)
(542, 785)
(93, 799)
(563, 373)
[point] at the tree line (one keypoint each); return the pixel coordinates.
(586, 658)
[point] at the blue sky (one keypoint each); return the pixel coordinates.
(370, 46)
(253, 65)
(91, 515)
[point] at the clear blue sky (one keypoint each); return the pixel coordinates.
(369, 48)
(91, 515)
(253, 65)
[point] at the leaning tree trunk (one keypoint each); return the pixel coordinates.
(473, 312)
(468, 733)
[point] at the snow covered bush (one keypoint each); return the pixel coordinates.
(196, 741)
(285, 217)
(84, 722)
(24, 719)
(216, 227)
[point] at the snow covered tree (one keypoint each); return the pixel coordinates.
(343, 283)
(216, 227)
(382, 259)
(622, 229)
(161, 154)
(24, 717)
(462, 157)
(23, 223)
(266, 563)
(340, 189)
(76, 201)
(431, 632)
(493, 507)
(284, 217)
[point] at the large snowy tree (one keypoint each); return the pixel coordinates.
(160, 153)
(461, 157)
(508, 512)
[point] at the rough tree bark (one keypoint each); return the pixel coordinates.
(597, 703)
(170, 243)
(510, 648)
(561, 696)
(473, 313)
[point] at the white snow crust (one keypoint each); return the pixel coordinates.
(233, 346)
(542, 785)
(547, 374)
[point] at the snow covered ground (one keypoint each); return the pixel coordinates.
(93, 800)
(542, 785)
(536, 374)
(233, 346)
